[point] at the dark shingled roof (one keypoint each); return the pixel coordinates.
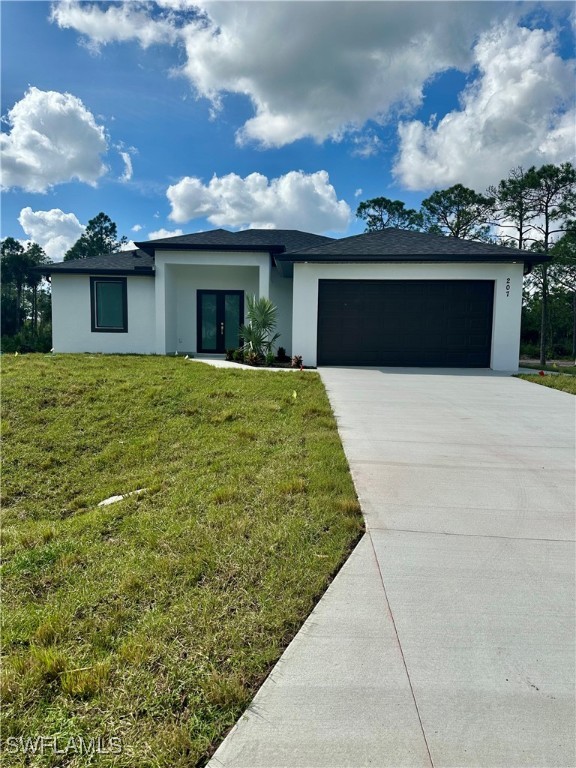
(403, 243)
(213, 237)
(123, 263)
(400, 245)
(290, 246)
(291, 239)
(272, 240)
(142, 259)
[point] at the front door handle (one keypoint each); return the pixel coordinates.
(222, 328)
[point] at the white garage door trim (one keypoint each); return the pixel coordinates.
(506, 313)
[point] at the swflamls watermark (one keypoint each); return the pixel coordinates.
(59, 745)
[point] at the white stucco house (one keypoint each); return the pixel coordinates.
(389, 298)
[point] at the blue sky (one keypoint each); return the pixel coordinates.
(178, 117)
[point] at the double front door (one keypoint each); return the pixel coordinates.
(220, 314)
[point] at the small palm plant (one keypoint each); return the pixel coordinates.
(258, 333)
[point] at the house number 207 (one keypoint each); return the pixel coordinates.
(507, 286)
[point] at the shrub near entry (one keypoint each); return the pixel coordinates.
(258, 333)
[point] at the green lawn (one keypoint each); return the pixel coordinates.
(562, 381)
(155, 619)
(554, 367)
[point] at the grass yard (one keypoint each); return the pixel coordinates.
(563, 381)
(563, 367)
(153, 621)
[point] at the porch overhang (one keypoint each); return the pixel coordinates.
(150, 247)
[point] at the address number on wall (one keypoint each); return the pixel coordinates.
(507, 287)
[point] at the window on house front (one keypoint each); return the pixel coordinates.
(109, 303)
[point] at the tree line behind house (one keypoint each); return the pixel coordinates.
(26, 307)
(532, 209)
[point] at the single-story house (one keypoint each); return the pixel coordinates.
(388, 298)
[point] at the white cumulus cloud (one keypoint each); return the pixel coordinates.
(128, 171)
(129, 246)
(297, 200)
(158, 234)
(338, 65)
(136, 227)
(325, 70)
(309, 69)
(114, 23)
(54, 230)
(53, 138)
(519, 112)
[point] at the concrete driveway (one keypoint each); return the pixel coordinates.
(447, 639)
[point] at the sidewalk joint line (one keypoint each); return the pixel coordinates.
(402, 505)
(401, 651)
(471, 535)
(473, 465)
(478, 444)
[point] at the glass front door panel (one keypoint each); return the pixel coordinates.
(220, 314)
(231, 321)
(209, 327)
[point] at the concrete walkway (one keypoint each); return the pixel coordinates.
(447, 639)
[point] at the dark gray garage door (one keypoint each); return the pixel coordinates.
(440, 323)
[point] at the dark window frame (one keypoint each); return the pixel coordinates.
(93, 304)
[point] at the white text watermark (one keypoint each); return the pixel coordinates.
(60, 745)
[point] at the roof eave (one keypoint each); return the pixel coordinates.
(520, 258)
(141, 272)
(150, 247)
(285, 262)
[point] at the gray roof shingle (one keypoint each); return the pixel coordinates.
(261, 239)
(400, 245)
(290, 246)
(403, 243)
(291, 239)
(122, 263)
(141, 260)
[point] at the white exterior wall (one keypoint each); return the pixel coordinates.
(179, 274)
(507, 302)
(187, 281)
(281, 297)
(72, 323)
(162, 311)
